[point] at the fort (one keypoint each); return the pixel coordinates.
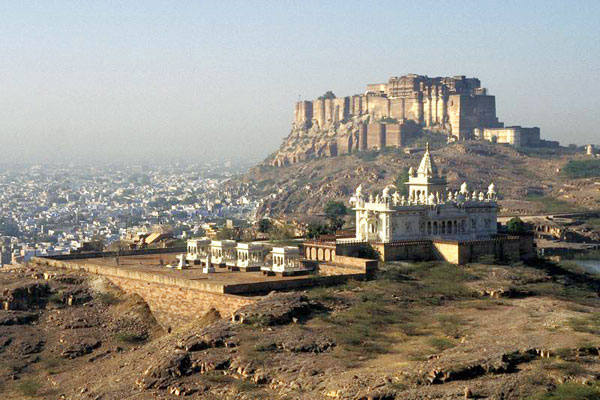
(390, 114)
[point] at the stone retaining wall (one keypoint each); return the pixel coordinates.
(173, 301)
(173, 306)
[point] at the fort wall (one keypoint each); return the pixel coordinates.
(376, 136)
(362, 137)
(432, 102)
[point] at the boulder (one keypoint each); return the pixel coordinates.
(80, 348)
(275, 309)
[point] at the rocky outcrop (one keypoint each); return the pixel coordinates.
(275, 309)
(17, 317)
(25, 296)
(80, 347)
(214, 347)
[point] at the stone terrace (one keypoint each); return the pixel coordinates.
(147, 268)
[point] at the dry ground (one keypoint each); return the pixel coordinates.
(417, 331)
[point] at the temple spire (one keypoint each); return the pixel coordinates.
(427, 167)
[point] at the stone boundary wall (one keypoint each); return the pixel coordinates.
(506, 248)
(361, 264)
(410, 251)
(124, 253)
(203, 284)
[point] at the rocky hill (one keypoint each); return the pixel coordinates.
(529, 181)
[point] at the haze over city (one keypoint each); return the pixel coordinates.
(158, 80)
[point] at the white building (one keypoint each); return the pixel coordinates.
(223, 252)
(198, 250)
(250, 256)
(429, 213)
(516, 136)
(285, 259)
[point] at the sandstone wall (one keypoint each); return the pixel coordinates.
(173, 306)
(378, 107)
(376, 136)
(397, 108)
(345, 144)
(303, 112)
(448, 251)
(410, 251)
(362, 137)
(467, 112)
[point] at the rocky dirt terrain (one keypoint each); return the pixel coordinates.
(426, 330)
(59, 322)
(529, 182)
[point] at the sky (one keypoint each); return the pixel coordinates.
(157, 81)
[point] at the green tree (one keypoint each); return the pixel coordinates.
(515, 226)
(316, 229)
(264, 225)
(282, 232)
(335, 212)
(400, 179)
(335, 209)
(367, 251)
(327, 96)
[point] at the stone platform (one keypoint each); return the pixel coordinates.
(177, 297)
(147, 267)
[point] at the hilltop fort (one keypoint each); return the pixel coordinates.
(391, 114)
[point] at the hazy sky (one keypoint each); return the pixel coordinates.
(196, 80)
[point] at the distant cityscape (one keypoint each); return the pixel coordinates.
(50, 210)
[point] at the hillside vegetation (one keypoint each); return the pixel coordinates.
(582, 169)
(528, 181)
